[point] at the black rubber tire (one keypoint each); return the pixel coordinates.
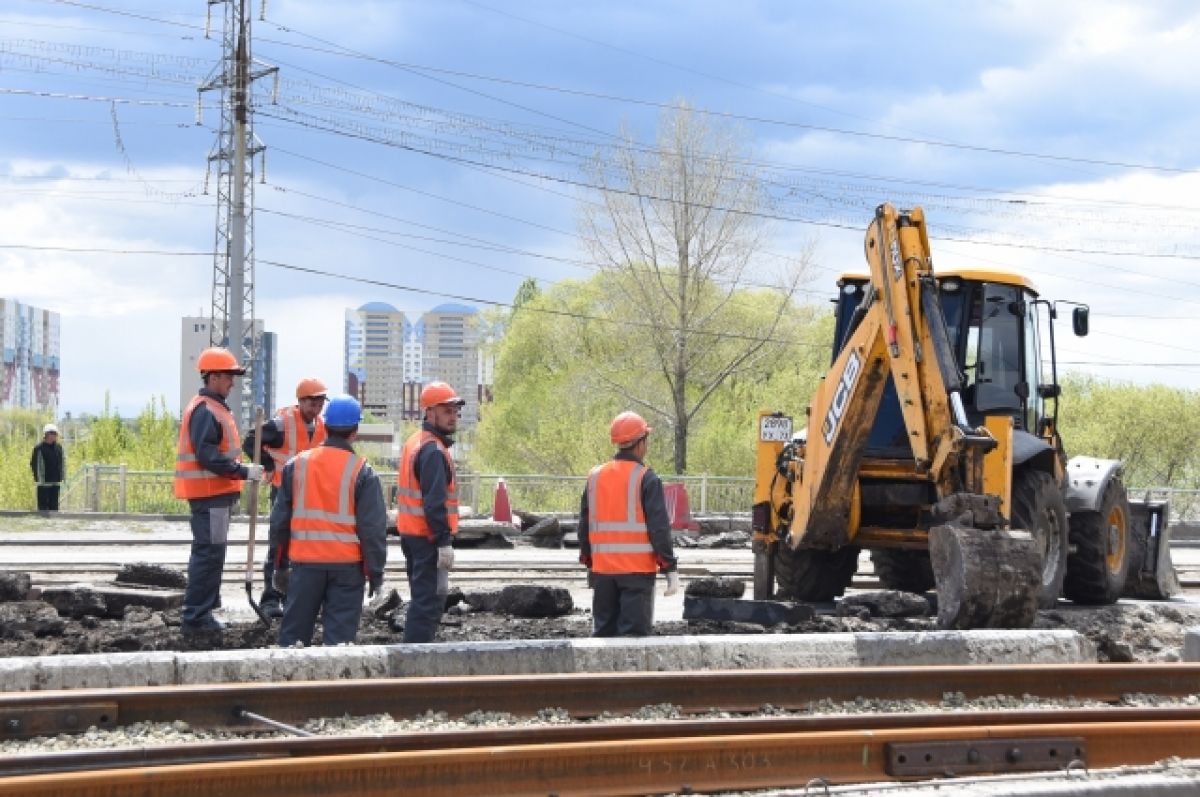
(908, 571)
(1037, 507)
(805, 574)
(1094, 577)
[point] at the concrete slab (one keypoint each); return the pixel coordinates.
(283, 664)
(507, 657)
(97, 670)
(1191, 644)
(545, 656)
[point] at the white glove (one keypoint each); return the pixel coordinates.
(254, 472)
(445, 558)
(672, 584)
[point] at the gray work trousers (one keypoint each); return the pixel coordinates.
(210, 532)
(622, 604)
(425, 606)
(333, 591)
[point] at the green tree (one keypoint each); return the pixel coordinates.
(677, 229)
(20, 431)
(552, 410)
(1153, 429)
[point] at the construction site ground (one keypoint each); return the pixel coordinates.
(61, 550)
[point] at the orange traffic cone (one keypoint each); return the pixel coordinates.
(501, 509)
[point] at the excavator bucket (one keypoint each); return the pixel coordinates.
(1151, 571)
(987, 577)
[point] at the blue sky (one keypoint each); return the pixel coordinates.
(423, 143)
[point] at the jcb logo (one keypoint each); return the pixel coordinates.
(894, 250)
(841, 396)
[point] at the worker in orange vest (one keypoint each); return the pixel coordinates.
(293, 429)
(427, 509)
(625, 534)
(209, 475)
(329, 525)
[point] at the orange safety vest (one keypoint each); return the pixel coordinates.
(192, 480)
(616, 522)
(324, 527)
(295, 439)
(410, 517)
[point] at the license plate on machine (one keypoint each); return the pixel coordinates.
(775, 429)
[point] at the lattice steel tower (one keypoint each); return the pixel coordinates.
(232, 157)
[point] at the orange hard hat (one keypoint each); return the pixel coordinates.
(310, 386)
(439, 393)
(216, 360)
(628, 428)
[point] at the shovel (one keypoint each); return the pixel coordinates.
(253, 498)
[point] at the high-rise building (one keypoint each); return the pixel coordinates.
(374, 358)
(258, 389)
(389, 358)
(414, 370)
(29, 344)
(450, 352)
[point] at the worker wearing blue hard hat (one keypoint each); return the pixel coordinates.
(329, 526)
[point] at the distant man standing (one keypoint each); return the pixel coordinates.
(293, 430)
(209, 475)
(330, 522)
(625, 534)
(427, 509)
(49, 469)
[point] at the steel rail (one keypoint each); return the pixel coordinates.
(310, 745)
(634, 765)
(25, 714)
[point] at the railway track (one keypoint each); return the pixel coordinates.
(700, 753)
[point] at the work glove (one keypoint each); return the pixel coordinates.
(281, 579)
(672, 584)
(374, 584)
(445, 558)
(254, 472)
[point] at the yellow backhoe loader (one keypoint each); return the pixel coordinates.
(933, 443)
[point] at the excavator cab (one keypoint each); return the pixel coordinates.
(999, 328)
(937, 420)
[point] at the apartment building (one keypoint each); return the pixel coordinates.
(29, 348)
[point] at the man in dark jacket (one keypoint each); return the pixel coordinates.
(329, 527)
(292, 430)
(427, 510)
(209, 476)
(625, 534)
(49, 469)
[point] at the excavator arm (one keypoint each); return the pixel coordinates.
(898, 331)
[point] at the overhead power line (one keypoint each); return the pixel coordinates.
(339, 49)
(760, 214)
(104, 250)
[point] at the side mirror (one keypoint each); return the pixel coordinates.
(1079, 321)
(1049, 391)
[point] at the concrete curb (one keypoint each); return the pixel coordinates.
(734, 652)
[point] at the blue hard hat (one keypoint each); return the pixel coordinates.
(343, 412)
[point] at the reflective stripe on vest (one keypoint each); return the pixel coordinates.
(410, 506)
(192, 480)
(295, 439)
(323, 526)
(617, 529)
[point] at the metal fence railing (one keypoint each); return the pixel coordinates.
(116, 488)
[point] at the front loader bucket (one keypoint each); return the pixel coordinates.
(986, 578)
(1151, 571)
